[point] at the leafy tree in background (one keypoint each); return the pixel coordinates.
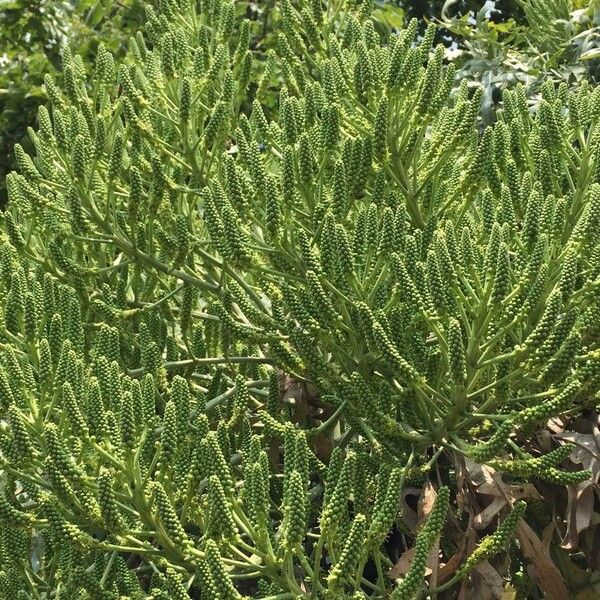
(32, 33)
(430, 8)
(529, 41)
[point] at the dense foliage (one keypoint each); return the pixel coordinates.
(32, 33)
(531, 43)
(236, 329)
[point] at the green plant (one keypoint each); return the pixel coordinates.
(530, 43)
(437, 285)
(32, 33)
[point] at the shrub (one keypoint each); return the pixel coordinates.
(530, 42)
(172, 243)
(31, 35)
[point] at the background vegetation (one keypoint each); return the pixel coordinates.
(499, 42)
(32, 33)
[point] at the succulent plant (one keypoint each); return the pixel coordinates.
(175, 244)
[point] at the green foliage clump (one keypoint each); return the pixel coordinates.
(523, 41)
(176, 245)
(32, 34)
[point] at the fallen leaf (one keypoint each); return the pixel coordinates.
(467, 543)
(403, 565)
(484, 518)
(510, 491)
(579, 577)
(542, 570)
(548, 533)
(433, 563)
(295, 396)
(485, 583)
(466, 472)
(323, 447)
(586, 451)
(579, 513)
(504, 495)
(479, 474)
(409, 515)
(544, 440)
(589, 543)
(425, 504)
(590, 593)
(556, 424)
(580, 498)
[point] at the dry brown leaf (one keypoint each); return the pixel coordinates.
(525, 491)
(589, 543)
(295, 395)
(578, 576)
(301, 395)
(403, 564)
(579, 513)
(586, 451)
(424, 506)
(588, 594)
(426, 501)
(433, 563)
(484, 518)
(484, 583)
(580, 499)
(467, 543)
(409, 515)
(556, 424)
(464, 485)
(542, 570)
(473, 477)
(478, 474)
(323, 447)
(548, 533)
(544, 440)
(503, 494)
